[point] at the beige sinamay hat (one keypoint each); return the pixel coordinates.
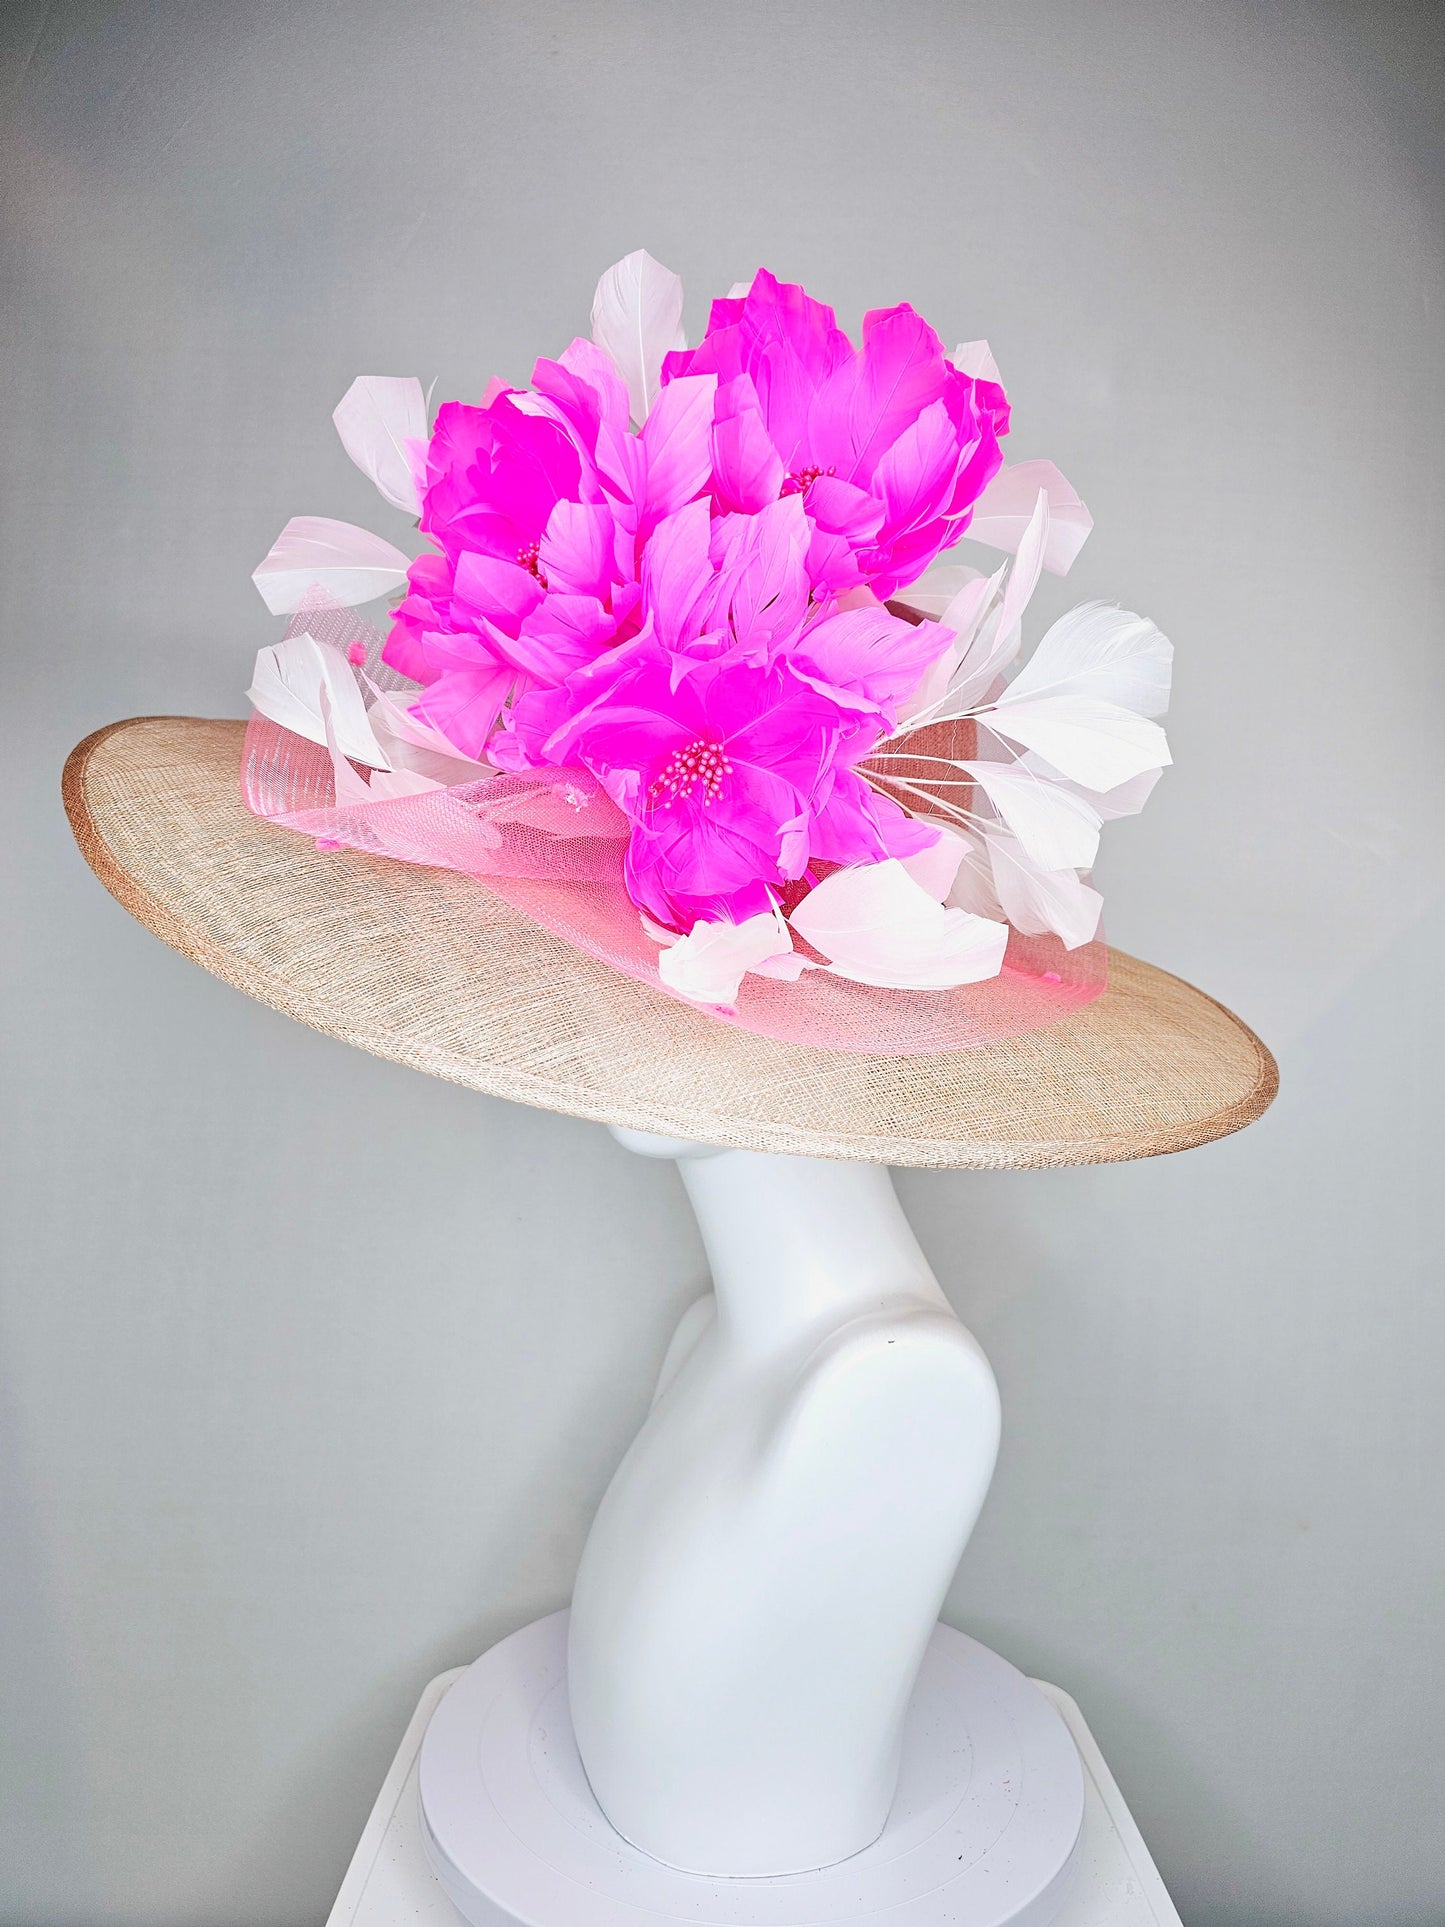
(428, 968)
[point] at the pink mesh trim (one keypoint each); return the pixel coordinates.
(551, 845)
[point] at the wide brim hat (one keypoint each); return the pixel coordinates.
(431, 968)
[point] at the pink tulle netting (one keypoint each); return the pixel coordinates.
(551, 845)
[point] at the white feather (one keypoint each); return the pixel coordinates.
(1002, 512)
(973, 885)
(984, 648)
(976, 358)
(637, 319)
(1023, 577)
(931, 594)
(378, 419)
(1056, 826)
(1125, 799)
(934, 869)
(411, 743)
(985, 614)
(1097, 745)
(1039, 902)
(877, 926)
(385, 784)
(348, 564)
(290, 682)
(1106, 654)
(708, 965)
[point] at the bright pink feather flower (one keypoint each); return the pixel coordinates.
(655, 589)
(539, 503)
(730, 729)
(662, 607)
(734, 773)
(889, 445)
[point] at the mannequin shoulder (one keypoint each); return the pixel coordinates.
(889, 1381)
(904, 1340)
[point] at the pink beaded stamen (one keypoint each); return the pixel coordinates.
(528, 558)
(700, 764)
(802, 479)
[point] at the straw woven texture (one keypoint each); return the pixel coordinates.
(430, 969)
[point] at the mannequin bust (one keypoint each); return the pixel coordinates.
(739, 1669)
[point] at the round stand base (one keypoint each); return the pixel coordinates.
(984, 1828)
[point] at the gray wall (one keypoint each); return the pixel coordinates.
(311, 1371)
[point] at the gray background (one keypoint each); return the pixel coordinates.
(311, 1370)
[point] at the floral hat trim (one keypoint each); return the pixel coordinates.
(676, 677)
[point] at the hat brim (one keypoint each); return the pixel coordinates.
(431, 969)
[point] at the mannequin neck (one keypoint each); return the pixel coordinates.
(801, 1245)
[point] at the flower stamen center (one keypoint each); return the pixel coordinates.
(802, 479)
(700, 765)
(528, 558)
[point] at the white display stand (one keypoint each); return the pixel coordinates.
(389, 1883)
(983, 1830)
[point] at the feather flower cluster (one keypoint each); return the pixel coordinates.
(703, 576)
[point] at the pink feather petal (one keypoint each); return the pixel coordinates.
(677, 440)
